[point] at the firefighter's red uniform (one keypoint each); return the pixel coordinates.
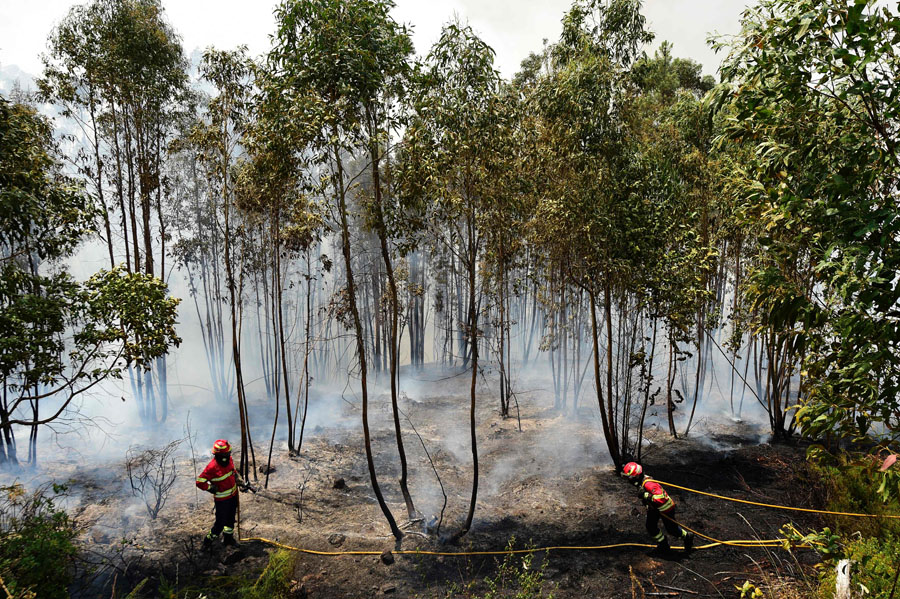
(220, 478)
(659, 505)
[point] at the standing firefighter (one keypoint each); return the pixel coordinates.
(659, 504)
(222, 480)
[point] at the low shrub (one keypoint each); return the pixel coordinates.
(36, 542)
(856, 484)
(874, 570)
(275, 580)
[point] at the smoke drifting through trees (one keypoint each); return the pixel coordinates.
(343, 214)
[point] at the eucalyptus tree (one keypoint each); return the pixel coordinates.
(198, 251)
(447, 156)
(274, 186)
(505, 211)
(811, 89)
(61, 337)
(117, 66)
(77, 77)
(340, 63)
(390, 54)
(217, 138)
(679, 174)
(587, 219)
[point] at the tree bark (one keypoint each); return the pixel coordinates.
(360, 342)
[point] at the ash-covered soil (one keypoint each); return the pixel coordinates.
(546, 480)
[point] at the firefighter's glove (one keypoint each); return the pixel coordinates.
(211, 488)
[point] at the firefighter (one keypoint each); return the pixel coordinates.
(222, 480)
(659, 504)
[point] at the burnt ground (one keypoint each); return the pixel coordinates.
(549, 484)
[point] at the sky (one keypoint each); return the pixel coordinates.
(514, 28)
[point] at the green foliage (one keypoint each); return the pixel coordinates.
(825, 542)
(334, 59)
(114, 51)
(275, 581)
(58, 335)
(811, 90)
(445, 164)
(872, 544)
(36, 542)
(516, 577)
(41, 210)
(750, 591)
(855, 485)
(613, 30)
(622, 192)
(874, 567)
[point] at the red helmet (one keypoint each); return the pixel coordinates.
(221, 446)
(632, 470)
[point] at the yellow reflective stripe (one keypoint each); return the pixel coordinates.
(223, 477)
(227, 493)
(228, 530)
(201, 480)
(666, 505)
(658, 538)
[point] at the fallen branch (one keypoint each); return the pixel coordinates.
(433, 467)
(688, 591)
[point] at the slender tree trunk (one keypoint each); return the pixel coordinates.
(394, 348)
(306, 353)
(473, 344)
(610, 398)
(649, 383)
(697, 379)
(604, 418)
(99, 175)
(284, 368)
(360, 343)
(670, 380)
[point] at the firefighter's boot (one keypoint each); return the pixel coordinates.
(228, 540)
(208, 540)
(688, 541)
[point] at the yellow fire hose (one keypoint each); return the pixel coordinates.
(465, 553)
(746, 543)
(779, 507)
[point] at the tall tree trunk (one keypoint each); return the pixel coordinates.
(610, 398)
(473, 345)
(284, 368)
(604, 418)
(99, 175)
(306, 352)
(360, 343)
(395, 321)
(649, 383)
(670, 380)
(244, 466)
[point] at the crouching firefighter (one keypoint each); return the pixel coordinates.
(659, 505)
(222, 480)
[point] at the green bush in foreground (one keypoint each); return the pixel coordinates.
(874, 572)
(854, 484)
(275, 580)
(36, 542)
